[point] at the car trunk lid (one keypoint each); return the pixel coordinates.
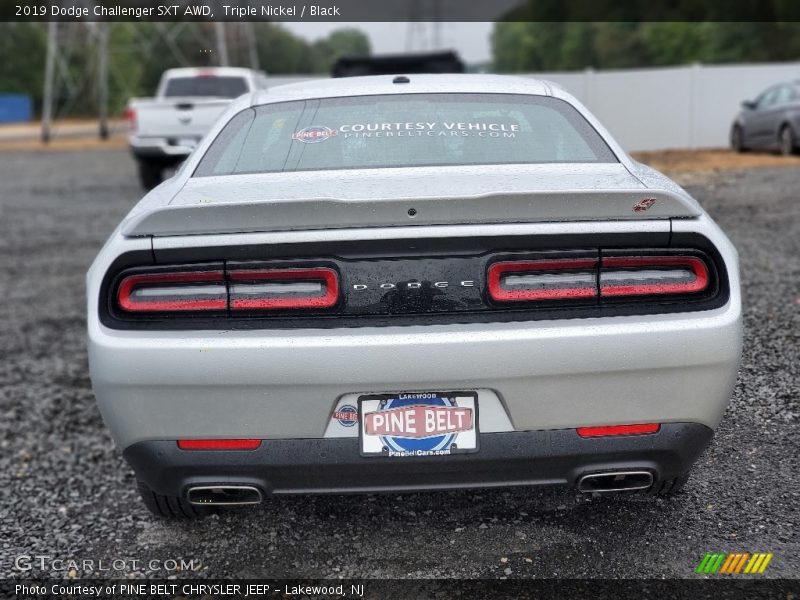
(408, 197)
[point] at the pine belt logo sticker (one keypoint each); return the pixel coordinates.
(314, 135)
(735, 563)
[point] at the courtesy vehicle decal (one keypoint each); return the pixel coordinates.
(315, 134)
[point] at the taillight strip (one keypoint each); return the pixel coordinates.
(547, 279)
(275, 289)
(649, 268)
(173, 292)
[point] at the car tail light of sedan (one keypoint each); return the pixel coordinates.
(254, 289)
(556, 279)
(652, 275)
(354, 292)
(275, 289)
(173, 292)
(608, 278)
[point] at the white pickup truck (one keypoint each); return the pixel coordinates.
(165, 129)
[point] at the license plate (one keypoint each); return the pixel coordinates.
(418, 424)
(188, 142)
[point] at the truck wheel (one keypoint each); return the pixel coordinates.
(171, 507)
(150, 174)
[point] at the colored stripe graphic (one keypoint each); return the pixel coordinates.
(734, 563)
(729, 563)
(711, 562)
(764, 564)
(753, 564)
(702, 566)
(740, 564)
(718, 564)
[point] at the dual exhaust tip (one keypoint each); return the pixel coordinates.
(224, 495)
(243, 495)
(615, 481)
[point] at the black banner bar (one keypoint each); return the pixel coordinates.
(541, 589)
(401, 10)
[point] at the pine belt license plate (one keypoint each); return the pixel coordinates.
(418, 424)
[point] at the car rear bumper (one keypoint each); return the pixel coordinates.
(557, 457)
(546, 375)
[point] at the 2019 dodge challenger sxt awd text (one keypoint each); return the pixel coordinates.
(409, 283)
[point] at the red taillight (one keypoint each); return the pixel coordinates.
(130, 116)
(652, 275)
(283, 289)
(236, 290)
(241, 444)
(580, 278)
(547, 279)
(617, 430)
(173, 292)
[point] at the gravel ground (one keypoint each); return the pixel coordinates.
(65, 491)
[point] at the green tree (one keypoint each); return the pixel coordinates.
(342, 42)
(281, 52)
(537, 46)
(577, 49)
(522, 46)
(23, 47)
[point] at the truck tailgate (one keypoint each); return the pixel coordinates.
(177, 117)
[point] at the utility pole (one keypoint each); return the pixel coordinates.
(437, 24)
(49, 74)
(222, 43)
(252, 48)
(102, 76)
(422, 35)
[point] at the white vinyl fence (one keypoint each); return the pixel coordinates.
(673, 107)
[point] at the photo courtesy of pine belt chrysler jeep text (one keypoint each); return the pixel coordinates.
(412, 282)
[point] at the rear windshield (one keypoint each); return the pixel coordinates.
(220, 87)
(409, 130)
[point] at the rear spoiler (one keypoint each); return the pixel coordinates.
(329, 213)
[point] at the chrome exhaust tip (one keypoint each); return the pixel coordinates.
(615, 481)
(224, 495)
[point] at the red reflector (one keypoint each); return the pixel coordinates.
(247, 444)
(287, 289)
(556, 279)
(650, 275)
(173, 292)
(612, 430)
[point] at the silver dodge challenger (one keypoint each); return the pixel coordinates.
(411, 283)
